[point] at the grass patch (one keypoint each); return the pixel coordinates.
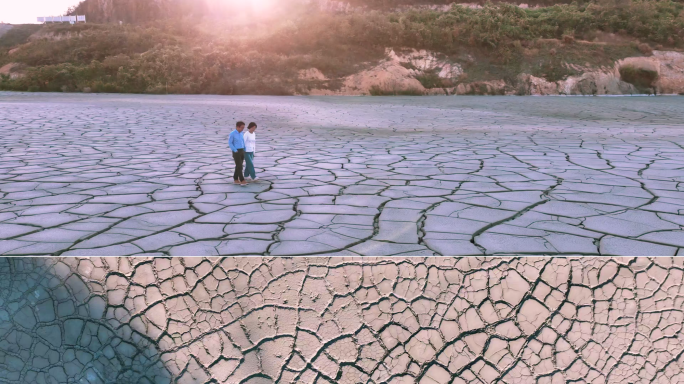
(553, 69)
(377, 90)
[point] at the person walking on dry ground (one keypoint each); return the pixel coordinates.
(237, 144)
(250, 148)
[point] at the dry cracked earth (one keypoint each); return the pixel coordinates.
(152, 175)
(344, 320)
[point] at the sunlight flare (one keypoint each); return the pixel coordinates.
(252, 7)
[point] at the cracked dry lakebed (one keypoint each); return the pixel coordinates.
(341, 320)
(131, 174)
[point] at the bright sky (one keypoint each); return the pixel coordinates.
(26, 11)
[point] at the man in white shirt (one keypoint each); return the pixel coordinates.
(250, 147)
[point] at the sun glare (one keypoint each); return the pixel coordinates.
(254, 7)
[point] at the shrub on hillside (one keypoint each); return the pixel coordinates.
(643, 79)
(645, 49)
(430, 79)
(377, 90)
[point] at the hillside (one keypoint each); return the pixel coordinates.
(136, 11)
(591, 48)
(4, 28)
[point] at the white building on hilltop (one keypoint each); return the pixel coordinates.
(62, 19)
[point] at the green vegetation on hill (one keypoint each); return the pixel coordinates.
(137, 11)
(392, 4)
(17, 35)
(493, 42)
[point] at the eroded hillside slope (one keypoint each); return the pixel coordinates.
(591, 48)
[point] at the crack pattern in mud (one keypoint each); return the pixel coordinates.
(130, 175)
(341, 320)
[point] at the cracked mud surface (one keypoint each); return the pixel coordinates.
(126, 175)
(341, 320)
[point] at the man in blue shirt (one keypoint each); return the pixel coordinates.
(237, 145)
